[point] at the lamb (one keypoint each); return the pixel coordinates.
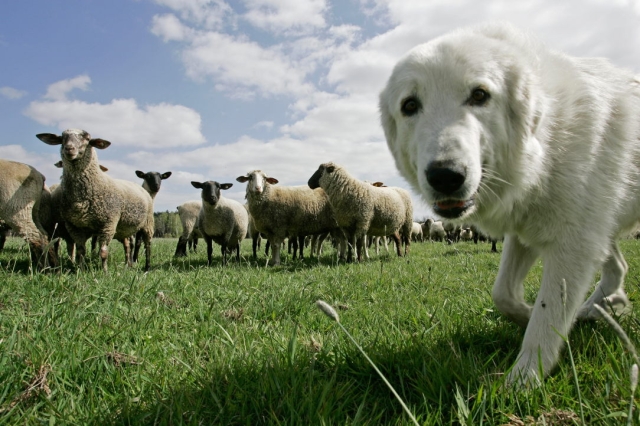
(362, 209)
(151, 183)
(21, 191)
(222, 220)
(466, 234)
(188, 213)
(281, 212)
(416, 232)
(95, 203)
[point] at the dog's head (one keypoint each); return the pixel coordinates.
(460, 115)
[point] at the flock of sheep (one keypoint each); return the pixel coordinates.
(89, 204)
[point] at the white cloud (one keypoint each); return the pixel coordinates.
(12, 93)
(264, 125)
(121, 121)
(169, 28)
(209, 14)
(58, 91)
(297, 16)
(241, 63)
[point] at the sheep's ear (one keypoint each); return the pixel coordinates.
(378, 184)
(58, 164)
(99, 143)
(103, 168)
(242, 179)
(271, 180)
(196, 184)
(225, 185)
(139, 174)
(165, 175)
(49, 138)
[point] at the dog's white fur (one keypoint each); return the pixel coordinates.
(551, 161)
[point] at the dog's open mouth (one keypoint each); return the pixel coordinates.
(452, 209)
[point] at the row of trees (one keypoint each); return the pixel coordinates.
(167, 224)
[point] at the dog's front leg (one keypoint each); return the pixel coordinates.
(508, 290)
(565, 281)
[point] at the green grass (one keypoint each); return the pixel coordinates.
(191, 344)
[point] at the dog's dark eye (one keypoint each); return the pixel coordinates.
(410, 106)
(478, 97)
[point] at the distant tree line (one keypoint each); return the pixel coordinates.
(167, 224)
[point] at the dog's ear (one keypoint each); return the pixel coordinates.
(524, 108)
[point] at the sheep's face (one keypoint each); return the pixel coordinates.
(316, 180)
(152, 180)
(257, 182)
(74, 143)
(211, 190)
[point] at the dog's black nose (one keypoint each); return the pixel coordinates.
(445, 176)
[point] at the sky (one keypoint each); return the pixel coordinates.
(212, 89)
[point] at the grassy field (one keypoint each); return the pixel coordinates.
(191, 344)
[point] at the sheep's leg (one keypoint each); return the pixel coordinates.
(301, 246)
(223, 250)
(94, 242)
(103, 243)
(254, 246)
(407, 244)
(565, 281)
(209, 242)
(138, 243)
(126, 243)
(147, 236)
(360, 242)
(181, 248)
(275, 249)
(396, 238)
(609, 293)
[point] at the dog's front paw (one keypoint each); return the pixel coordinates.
(616, 304)
(525, 374)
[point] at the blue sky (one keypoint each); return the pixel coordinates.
(212, 89)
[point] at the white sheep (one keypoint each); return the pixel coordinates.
(416, 232)
(95, 203)
(188, 213)
(436, 231)
(362, 209)
(221, 219)
(281, 212)
(22, 189)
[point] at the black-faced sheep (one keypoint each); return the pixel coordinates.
(95, 203)
(151, 182)
(222, 220)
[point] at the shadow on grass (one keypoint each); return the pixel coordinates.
(338, 386)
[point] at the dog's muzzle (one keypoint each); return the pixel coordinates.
(452, 209)
(447, 179)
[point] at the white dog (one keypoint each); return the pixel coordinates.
(494, 129)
